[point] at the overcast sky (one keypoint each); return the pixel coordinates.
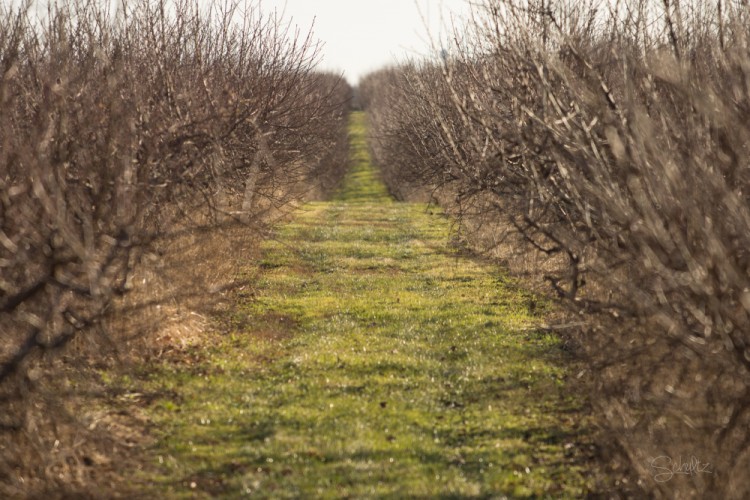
(363, 35)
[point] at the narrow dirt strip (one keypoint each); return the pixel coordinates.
(373, 360)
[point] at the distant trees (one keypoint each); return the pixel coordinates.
(611, 140)
(123, 128)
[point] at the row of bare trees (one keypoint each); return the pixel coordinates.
(122, 127)
(611, 139)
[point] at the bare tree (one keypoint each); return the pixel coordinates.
(612, 141)
(122, 130)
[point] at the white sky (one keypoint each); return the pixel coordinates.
(360, 36)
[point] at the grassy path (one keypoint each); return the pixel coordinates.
(373, 361)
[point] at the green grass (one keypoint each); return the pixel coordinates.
(373, 362)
